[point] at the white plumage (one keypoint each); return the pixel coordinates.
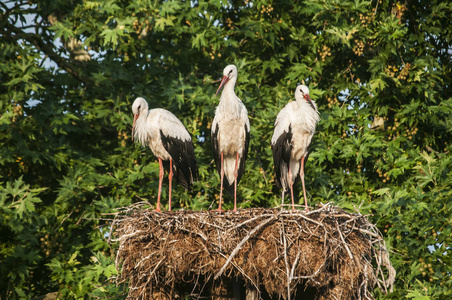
(230, 134)
(170, 142)
(294, 129)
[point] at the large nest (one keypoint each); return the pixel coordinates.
(326, 253)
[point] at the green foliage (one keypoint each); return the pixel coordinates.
(380, 72)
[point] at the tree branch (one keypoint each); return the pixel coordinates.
(37, 41)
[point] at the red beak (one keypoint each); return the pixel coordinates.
(223, 82)
(310, 101)
(135, 117)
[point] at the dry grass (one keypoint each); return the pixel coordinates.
(278, 253)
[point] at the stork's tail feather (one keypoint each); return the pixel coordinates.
(185, 176)
(228, 187)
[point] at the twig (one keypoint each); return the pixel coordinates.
(283, 237)
(313, 274)
(294, 265)
(156, 266)
(343, 241)
(250, 220)
(369, 233)
(143, 259)
(126, 236)
(311, 220)
(239, 246)
(243, 273)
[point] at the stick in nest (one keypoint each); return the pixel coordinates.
(242, 242)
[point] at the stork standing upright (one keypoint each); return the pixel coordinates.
(294, 129)
(230, 135)
(170, 142)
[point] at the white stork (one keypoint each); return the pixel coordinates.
(170, 142)
(294, 128)
(230, 135)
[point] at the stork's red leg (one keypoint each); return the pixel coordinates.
(161, 172)
(170, 177)
(221, 177)
(235, 182)
(291, 188)
(302, 182)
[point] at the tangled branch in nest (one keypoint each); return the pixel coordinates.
(279, 253)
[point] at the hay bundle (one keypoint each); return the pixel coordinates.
(327, 253)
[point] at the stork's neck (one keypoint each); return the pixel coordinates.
(230, 104)
(307, 113)
(141, 132)
(229, 86)
(304, 104)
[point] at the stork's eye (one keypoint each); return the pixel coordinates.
(230, 72)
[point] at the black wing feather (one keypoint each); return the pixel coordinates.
(281, 155)
(216, 148)
(241, 169)
(185, 168)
